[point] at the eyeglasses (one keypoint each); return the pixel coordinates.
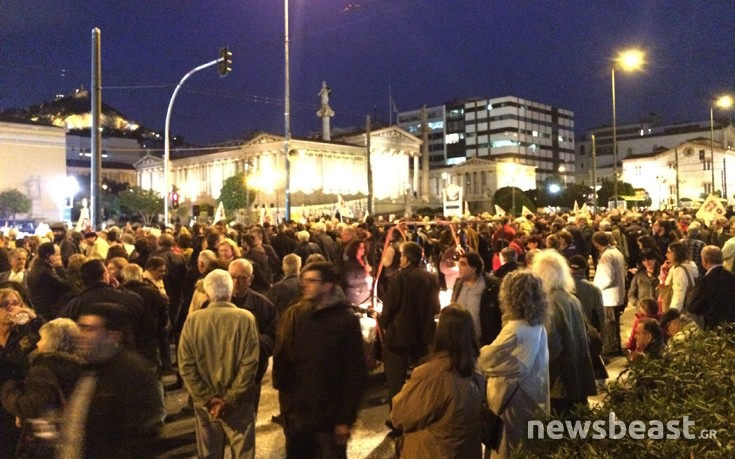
(9, 304)
(241, 278)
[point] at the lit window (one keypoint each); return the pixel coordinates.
(452, 138)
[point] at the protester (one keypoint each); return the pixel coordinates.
(104, 417)
(218, 361)
(407, 319)
(438, 409)
(19, 333)
(47, 282)
(477, 292)
(319, 367)
(517, 362)
(571, 377)
(649, 341)
(41, 396)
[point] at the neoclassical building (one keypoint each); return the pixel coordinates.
(683, 172)
(34, 164)
(318, 167)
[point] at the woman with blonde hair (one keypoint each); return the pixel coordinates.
(227, 251)
(517, 362)
(571, 375)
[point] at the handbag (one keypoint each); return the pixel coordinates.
(492, 424)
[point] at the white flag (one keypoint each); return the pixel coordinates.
(220, 213)
(499, 211)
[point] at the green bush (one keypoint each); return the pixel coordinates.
(697, 379)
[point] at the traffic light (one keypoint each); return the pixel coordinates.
(225, 62)
(175, 200)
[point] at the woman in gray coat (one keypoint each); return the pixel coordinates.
(517, 362)
(572, 379)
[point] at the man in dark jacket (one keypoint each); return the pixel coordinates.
(176, 270)
(66, 243)
(48, 285)
(285, 292)
(97, 289)
(284, 242)
(478, 292)
(266, 315)
(104, 417)
(712, 296)
(319, 367)
(407, 319)
(154, 326)
(508, 262)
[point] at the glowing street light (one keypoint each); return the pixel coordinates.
(629, 60)
(554, 188)
(723, 102)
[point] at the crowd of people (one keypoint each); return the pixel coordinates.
(91, 322)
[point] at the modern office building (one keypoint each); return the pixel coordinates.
(499, 129)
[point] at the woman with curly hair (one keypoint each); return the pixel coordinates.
(571, 377)
(517, 362)
(438, 409)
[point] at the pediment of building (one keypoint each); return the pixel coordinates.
(475, 163)
(148, 161)
(262, 138)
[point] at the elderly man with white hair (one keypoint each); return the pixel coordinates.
(218, 361)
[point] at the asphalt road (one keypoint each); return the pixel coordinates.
(369, 438)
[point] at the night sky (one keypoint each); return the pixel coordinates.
(428, 51)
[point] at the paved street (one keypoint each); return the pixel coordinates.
(368, 441)
(369, 438)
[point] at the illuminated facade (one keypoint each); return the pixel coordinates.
(317, 167)
(34, 163)
(481, 178)
(641, 139)
(684, 171)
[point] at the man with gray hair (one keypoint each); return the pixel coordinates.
(712, 297)
(266, 315)
(285, 293)
(218, 361)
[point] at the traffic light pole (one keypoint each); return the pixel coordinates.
(166, 143)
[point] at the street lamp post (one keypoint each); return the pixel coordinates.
(723, 102)
(166, 143)
(628, 60)
(287, 112)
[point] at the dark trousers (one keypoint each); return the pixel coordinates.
(611, 331)
(308, 444)
(397, 363)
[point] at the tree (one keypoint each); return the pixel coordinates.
(504, 198)
(146, 203)
(233, 195)
(577, 192)
(605, 193)
(14, 202)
